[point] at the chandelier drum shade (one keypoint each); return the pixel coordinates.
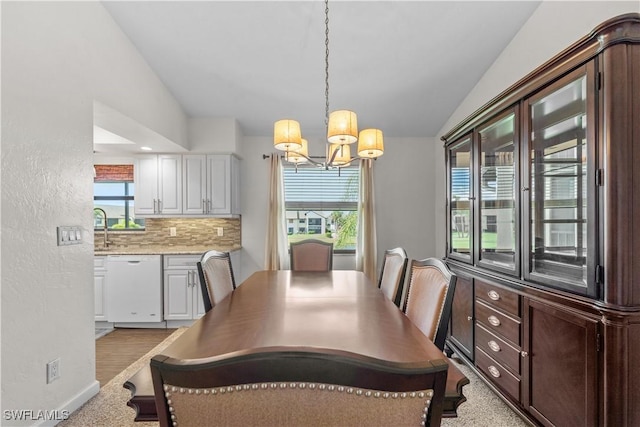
(342, 130)
(342, 127)
(286, 135)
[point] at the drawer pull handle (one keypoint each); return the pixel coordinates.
(494, 346)
(494, 371)
(493, 320)
(493, 295)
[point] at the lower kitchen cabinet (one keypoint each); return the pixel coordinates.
(100, 288)
(182, 291)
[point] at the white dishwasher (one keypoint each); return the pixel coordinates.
(134, 288)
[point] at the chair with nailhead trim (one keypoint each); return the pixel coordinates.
(297, 387)
(429, 298)
(216, 277)
(311, 255)
(394, 268)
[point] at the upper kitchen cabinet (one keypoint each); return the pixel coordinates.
(158, 180)
(211, 184)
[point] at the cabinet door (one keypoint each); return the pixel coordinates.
(560, 208)
(194, 191)
(235, 185)
(146, 182)
(461, 329)
(198, 303)
(219, 184)
(497, 218)
(460, 198)
(560, 384)
(178, 294)
(170, 184)
(99, 280)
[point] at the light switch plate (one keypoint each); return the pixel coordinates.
(69, 235)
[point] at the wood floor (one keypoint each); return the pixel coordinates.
(120, 348)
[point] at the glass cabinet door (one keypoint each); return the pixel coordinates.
(497, 180)
(460, 199)
(561, 203)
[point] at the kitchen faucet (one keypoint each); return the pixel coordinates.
(106, 227)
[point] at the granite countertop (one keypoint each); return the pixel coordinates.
(164, 250)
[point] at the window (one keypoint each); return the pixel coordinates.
(322, 204)
(113, 191)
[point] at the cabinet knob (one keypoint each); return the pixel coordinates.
(493, 295)
(494, 371)
(469, 318)
(524, 353)
(494, 346)
(493, 320)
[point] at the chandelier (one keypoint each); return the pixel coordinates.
(342, 130)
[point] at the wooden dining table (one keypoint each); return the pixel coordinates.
(337, 310)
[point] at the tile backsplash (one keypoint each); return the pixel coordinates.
(189, 232)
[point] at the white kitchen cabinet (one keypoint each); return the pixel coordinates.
(158, 184)
(182, 291)
(100, 288)
(211, 184)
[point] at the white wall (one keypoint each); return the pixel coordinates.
(553, 27)
(57, 58)
(214, 135)
(404, 193)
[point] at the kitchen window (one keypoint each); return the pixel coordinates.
(113, 191)
(322, 204)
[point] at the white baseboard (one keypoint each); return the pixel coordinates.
(171, 324)
(73, 404)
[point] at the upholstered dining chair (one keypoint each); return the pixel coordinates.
(311, 255)
(216, 277)
(392, 274)
(289, 387)
(429, 298)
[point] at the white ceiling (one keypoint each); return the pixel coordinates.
(402, 66)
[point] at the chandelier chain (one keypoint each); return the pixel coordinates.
(326, 62)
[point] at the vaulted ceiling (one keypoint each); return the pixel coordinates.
(402, 66)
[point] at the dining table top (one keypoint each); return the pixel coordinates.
(339, 311)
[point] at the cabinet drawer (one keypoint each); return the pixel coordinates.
(99, 262)
(181, 261)
(498, 322)
(498, 374)
(505, 300)
(499, 349)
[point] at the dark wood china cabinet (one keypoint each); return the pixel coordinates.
(543, 199)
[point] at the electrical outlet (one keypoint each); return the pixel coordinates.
(220, 232)
(53, 370)
(172, 231)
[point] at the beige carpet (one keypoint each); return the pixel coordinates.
(109, 407)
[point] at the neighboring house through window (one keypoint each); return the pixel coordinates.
(322, 204)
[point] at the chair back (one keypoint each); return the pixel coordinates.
(394, 267)
(216, 277)
(429, 298)
(311, 255)
(296, 387)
